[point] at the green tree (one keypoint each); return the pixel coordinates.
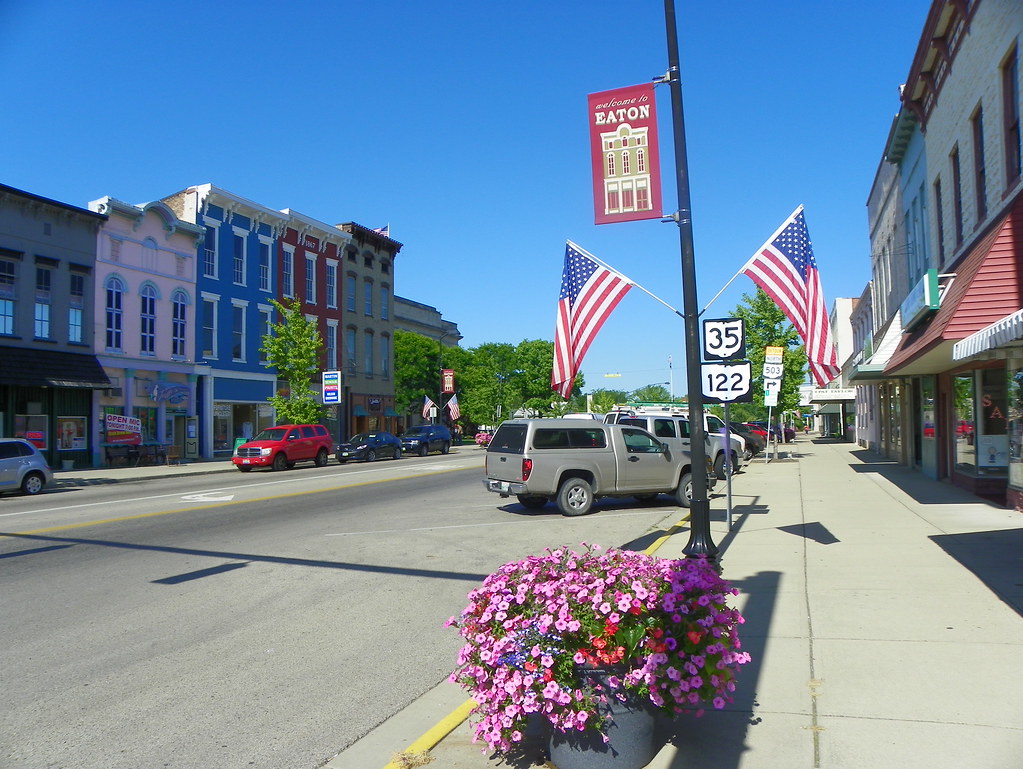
(417, 361)
(651, 393)
(766, 325)
(603, 400)
(293, 347)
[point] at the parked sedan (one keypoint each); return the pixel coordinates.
(755, 443)
(22, 467)
(369, 446)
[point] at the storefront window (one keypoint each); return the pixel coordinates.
(964, 423)
(927, 407)
(148, 417)
(1014, 401)
(993, 435)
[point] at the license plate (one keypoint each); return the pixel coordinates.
(344, 453)
(498, 486)
(246, 462)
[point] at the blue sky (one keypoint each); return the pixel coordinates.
(463, 126)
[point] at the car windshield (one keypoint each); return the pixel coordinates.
(361, 437)
(416, 431)
(272, 434)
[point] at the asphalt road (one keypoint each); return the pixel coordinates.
(266, 620)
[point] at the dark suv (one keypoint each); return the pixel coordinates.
(422, 439)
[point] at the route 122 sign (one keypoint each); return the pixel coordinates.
(727, 382)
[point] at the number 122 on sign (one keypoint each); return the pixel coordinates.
(727, 382)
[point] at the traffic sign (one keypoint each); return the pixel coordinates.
(727, 382)
(724, 338)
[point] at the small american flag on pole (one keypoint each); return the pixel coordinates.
(427, 405)
(453, 408)
(590, 291)
(787, 271)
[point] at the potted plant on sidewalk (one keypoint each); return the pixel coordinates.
(585, 640)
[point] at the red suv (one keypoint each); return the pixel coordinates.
(282, 446)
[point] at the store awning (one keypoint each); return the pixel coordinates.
(389, 412)
(985, 289)
(872, 370)
(359, 411)
(999, 333)
(32, 367)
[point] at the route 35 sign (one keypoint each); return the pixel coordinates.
(724, 338)
(727, 382)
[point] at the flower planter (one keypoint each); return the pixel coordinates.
(631, 736)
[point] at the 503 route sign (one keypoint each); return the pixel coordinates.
(727, 382)
(724, 339)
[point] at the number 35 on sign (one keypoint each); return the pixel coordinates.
(727, 382)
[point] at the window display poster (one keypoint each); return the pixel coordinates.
(70, 433)
(123, 430)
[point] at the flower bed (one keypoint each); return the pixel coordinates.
(662, 627)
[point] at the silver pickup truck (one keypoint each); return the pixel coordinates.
(574, 461)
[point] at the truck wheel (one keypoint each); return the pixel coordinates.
(321, 458)
(531, 501)
(424, 450)
(684, 492)
(445, 447)
(575, 497)
(719, 466)
(280, 462)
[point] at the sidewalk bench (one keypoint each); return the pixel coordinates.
(128, 454)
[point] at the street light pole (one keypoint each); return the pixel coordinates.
(700, 542)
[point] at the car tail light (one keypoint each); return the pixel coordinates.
(527, 468)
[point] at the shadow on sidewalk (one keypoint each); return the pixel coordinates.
(922, 489)
(994, 557)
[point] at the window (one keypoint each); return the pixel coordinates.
(940, 221)
(385, 302)
(331, 285)
(238, 260)
(76, 307)
(114, 313)
(367, 297)
(350, 293)
(641, 161)
(385, 268)
(6, 297)
(642, 198)
(44, 278)
(264, 266)
(266, 320)
(238, 331)
(209, 327)
(147, 331)
(330, 345)
(1010, 112)
(310, 280)
(979, 171)
(957, 195)
(610, 170)
(288, 273)
(626, 165)
(367, 260)
(367, 352)
(385, 355)
(179, 305)
(350, 356)
(209, 261)
(351, 254)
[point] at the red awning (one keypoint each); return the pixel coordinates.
(988, 286)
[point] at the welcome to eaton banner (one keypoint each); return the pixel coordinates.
(623, 150)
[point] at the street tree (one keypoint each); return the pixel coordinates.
(416, 370)
(293, 347)
(651, 393)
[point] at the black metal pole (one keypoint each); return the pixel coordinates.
(700, 542)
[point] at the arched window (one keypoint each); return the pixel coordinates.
(610, 165)
(179, 303)
(114, 313)
(626, 166)
(641, 161)
(147, 316)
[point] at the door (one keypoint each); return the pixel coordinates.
(645, 467)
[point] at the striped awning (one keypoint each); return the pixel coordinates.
(1001, 332)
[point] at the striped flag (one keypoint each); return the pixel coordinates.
(427, 405)
(453, 408)
(590, 291)
(787, 271)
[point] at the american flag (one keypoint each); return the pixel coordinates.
(589, 293)
(385, 230)
(785, 268)
(427, 405)
(453, 408)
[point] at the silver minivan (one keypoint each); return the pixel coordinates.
(22, 467)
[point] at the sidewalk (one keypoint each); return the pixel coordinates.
(121, 474)
(883, 614)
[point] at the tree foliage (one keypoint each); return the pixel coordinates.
(417, 364)
(293, 347)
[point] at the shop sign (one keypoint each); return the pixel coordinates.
(123, 430)
(921, 300)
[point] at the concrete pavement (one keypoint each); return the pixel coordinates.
(883, 613)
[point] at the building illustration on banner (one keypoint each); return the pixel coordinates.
(626, 170)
